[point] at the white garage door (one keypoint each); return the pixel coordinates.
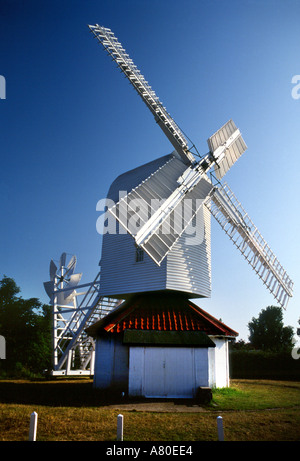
(169, 372)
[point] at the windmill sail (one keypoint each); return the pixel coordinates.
(226, 146)
(134, 209)
(233, 219)
(62, 277)
(114, 48)
(175, 221)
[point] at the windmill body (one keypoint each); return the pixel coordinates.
(126, 270)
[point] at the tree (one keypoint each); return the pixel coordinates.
(268, 333)
(240, 345)
(26, 327)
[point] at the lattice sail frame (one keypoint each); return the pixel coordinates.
(114, 48)
(236, 223)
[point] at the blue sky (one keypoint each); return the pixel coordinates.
(71, 123)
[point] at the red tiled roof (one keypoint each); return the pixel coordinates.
(165, 312)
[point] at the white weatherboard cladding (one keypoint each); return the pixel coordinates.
(121, 275)
(167, 371)
(187, 266)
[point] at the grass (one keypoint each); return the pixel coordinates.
(252, 410)
(258, 395)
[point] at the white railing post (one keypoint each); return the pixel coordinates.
(33, 427)
(120, 428)
(220, 429)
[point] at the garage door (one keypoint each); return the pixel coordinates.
(169, 372)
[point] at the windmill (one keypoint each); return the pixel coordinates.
(62, 277)
(73, 311)
(178, 181)
(156, 206)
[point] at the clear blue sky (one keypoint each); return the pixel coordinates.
(71, 123)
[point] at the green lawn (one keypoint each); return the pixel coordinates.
(72, 411)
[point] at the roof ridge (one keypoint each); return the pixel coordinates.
(160, 312)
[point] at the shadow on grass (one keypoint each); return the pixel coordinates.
(54, 393)
(75, 393)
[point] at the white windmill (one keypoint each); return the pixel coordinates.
(158, 206)
(157, 203)
(73, 311)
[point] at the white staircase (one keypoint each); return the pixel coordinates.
(73, 348)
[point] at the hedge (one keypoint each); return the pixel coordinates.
(263, 365)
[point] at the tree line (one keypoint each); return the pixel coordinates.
(26, 326)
